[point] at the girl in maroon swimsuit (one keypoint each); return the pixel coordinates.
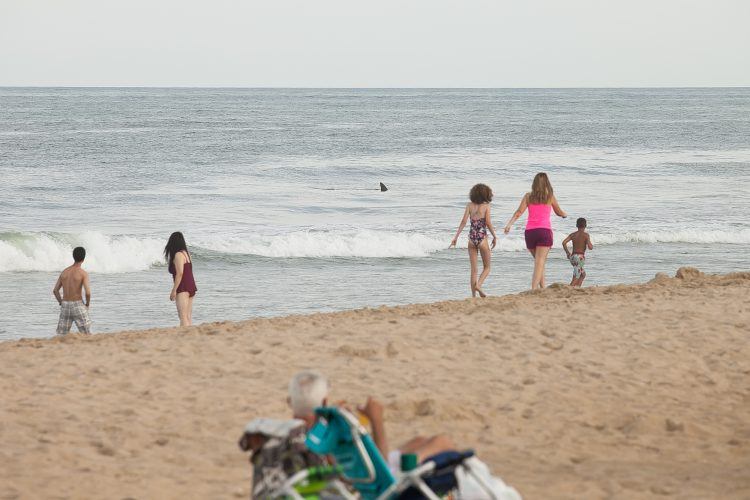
(181, 269)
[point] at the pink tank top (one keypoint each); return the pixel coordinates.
(539, 216)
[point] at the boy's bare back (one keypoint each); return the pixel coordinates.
(72, 279)
(580, 240)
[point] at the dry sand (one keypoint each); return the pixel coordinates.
(613, 392)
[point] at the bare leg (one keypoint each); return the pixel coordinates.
(183, 302)
(412, 444)
(484, 250)
(573, 281)
(473, 261)
(583, 277)
(190, 310)
(540, 258)
(427, 447)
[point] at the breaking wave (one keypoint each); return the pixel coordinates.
(47, 251)
(322, 244)
(739, 237)
(53, 252)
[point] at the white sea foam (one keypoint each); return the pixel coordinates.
(122, 254)
(53, 252)
(738, 237)
(321, 244)
(393, 244)
(688, 236)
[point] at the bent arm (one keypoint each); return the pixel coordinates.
(378, 435)
(518, 213)
(373, 410)
(488, 219)
(588, 243)
(179, 268)
(556, 207)
(565, 245)
(87, 288)
(461, 226)
(56, 290)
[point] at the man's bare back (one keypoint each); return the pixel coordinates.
(72, 280)
(72, 308)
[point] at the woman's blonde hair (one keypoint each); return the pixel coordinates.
(541, 189)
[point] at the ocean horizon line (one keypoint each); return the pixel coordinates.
(269, 87)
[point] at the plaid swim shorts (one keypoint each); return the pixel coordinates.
(73, 312)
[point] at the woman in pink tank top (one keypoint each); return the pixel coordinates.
(181, 269)
(540, 202)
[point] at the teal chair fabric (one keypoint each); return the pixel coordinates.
(338, 433)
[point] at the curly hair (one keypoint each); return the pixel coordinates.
(480, 193)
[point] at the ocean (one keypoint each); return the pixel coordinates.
(277, 193)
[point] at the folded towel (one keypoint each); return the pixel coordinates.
(470, 489)
(271, 427)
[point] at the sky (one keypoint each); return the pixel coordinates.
(376, 43)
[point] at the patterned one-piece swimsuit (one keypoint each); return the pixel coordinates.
(478, 231)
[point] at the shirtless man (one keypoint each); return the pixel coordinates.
(72, 308)
(581, 241)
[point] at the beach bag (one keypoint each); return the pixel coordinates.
(470, 489)
(281, 456)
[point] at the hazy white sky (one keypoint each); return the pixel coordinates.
(376, 43)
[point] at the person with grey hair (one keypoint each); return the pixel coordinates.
(277, 447)
(309, 389)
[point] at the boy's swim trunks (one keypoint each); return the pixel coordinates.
(577, 260)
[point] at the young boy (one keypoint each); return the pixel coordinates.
(581, 240)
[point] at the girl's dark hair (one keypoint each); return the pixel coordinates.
(480, 193)
(175, 245)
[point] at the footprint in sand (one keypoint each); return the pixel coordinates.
(391, 350)
(424, 408)
(356, 352)
(554, 344)
(673, 426)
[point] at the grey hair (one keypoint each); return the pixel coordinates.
(307, 391)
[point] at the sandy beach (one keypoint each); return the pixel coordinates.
(605, 392)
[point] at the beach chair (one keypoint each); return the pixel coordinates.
(283, 467)
(338, 433)
(316, 483)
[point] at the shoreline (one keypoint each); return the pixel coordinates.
(207, 327)
(622, 391)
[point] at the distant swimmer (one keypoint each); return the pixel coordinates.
(72, 307)
(383, 188)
